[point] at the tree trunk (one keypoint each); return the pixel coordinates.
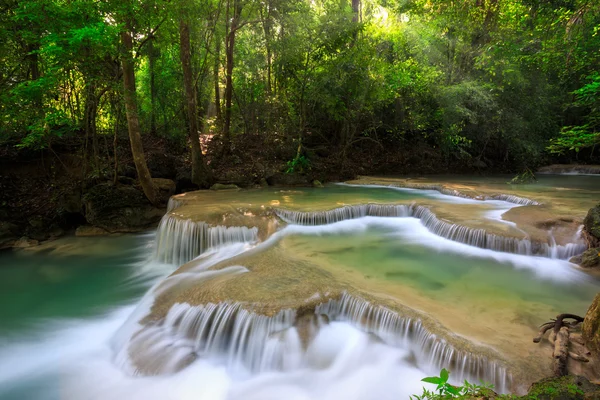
(200, 175)
(133, 124)
(216, 78)
(356, 11)
(229, 46)
(151, 67)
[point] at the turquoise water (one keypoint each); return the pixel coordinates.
(62, 308)
(59, 284)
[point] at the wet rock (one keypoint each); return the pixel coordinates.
(25, 242)
(221, 186)
(165, 189)
(88, 230)
(570, 387)
(591, 326)
(119, 208)
(591, 226)
(589, 259)
(316, 183)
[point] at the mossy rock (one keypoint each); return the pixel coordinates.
(569, 387)
(590, 259)
(119, 208)
(591, 326)
(591, 225)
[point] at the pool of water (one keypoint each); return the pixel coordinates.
(64, 308)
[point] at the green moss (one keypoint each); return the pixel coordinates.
(566, 387)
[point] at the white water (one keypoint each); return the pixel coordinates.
(455, 232)
(87, 358)
(73, 360)
(412, 231)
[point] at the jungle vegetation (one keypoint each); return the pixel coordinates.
(510, 83)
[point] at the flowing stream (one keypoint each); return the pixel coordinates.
(398, 283)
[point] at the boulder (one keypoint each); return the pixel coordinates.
(591, 226)
(590, 259)
(590, 328)
(25, 242)
(165, 189)
(316, 183)
(119, 208)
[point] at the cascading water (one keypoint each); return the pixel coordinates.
(223, 331)
(181, 240)
(431, 352)
(342, 214)
(456, 232)
(245, 341)
(522, 201)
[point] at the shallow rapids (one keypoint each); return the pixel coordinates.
(346, 292)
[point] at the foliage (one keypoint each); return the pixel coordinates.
(507, 82)
(524, 177)
(445, 390)
(299, 164)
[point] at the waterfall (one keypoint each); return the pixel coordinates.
(223, 331)
(181, 240)
(513, 199)
(431, 352)
(237, 338)
(342, 214)
(455, 232)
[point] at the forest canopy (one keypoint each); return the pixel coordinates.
(479, 82)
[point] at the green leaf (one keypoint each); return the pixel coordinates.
(432, 379)
(444, 374)
(452, 390)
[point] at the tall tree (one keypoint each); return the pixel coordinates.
(133, 124)
(200, 171)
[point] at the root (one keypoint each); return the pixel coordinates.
(560, 337)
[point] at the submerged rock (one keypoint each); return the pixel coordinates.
(591, 226)
(119, 209)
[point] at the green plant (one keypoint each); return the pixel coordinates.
(445, 390)
(526, 176)
(299, 164)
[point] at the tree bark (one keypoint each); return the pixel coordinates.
(229, 46)
(151, 67)
(200, 175)
(216, 78)
(133, 124)
(356, 11)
